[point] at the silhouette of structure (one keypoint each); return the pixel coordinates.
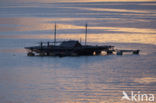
(71, 48)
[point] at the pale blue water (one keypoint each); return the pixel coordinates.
(86, 79)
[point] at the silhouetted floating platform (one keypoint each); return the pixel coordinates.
(120, 52)
(72, 48)
(67, 48)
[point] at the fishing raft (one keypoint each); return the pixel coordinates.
(72, 48)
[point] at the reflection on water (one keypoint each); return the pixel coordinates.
(13, 50)
(75, 79)
(32, 24)
(91, 79)
(104, 0)
(145, 80)
(99, 38)
(114, 10)
(116, 34)
(69, 1)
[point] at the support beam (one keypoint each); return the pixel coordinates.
(109, 52)
(119, 52)
(55, 35)
(48, 44)
(41, 45)
(30, 54)
(86, 36)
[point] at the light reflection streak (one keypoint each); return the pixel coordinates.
(145, 80)
(100, 38)
(132, 35)
(106, 1)
(49, 26)
(32, 24)
(69, 1)
(149, 4)
(19, 50)
(34, 20)
(113, 10)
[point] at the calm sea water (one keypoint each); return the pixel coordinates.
(86, 79)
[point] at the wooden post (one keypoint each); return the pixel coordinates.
(136, 52)
(48, 44)
(30, 54)
(80, 40)
(119, 53)
(86, 35)
(109, 52)
(41, 45)
(55, 35)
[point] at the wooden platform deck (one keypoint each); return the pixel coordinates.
(67, 48)
(120, 52)
(72, 48)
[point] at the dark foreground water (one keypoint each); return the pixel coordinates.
(86, 79)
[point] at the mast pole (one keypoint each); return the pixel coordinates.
(86, 35)
(55, 35)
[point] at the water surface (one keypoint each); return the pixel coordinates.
(86, 79)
